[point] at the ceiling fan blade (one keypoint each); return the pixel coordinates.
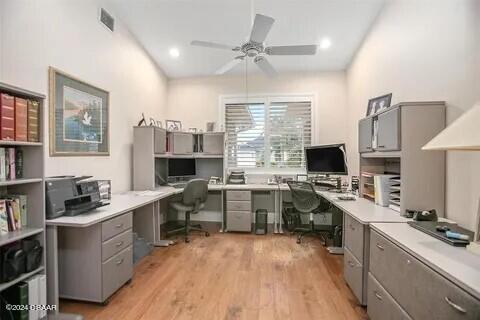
(261, 27)
(228, 66)
(214, 45)
(291, 50)
(265, 66)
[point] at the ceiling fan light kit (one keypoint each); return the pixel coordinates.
(255, 48)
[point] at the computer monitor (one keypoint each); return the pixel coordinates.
(327, 159)
(181, 167)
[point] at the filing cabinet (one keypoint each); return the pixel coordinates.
(97, 260)
(239, 210)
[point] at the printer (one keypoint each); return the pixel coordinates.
(71, 196)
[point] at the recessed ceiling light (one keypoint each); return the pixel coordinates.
(174, 53)
(325, 43)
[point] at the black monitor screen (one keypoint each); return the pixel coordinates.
(181, 167)
(327, 159)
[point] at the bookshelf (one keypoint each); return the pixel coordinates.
(31, 184)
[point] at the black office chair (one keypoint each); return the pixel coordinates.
(193, 199)
(306, 201)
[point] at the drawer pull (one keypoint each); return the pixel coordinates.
(119, 225)
(379, 296)
(351, 264)
(380, 247)
(119, 244)
(455, 306)
(352, 227)
(119, 262)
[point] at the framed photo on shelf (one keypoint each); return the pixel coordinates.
(79, 117)
(173, 125)
(379, 104)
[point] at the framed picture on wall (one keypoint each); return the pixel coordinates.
(379, 104)
(79, 117)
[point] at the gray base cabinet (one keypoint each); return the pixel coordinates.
(355, 258)
(419, 290)
(96, 261)
(381, 305)
(239, 210)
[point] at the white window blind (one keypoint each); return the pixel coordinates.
(267, 135)
(289, 132)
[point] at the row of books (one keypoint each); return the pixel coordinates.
(13, 213)
(31, 292)
(19, 118)
(11, 163)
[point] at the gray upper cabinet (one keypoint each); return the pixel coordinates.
(388, 134)
(365, 130)
(159, 140)
(181, 143)
(213, 143)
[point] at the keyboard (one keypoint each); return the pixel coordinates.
(178, 185)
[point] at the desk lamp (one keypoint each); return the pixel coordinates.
(462, 135)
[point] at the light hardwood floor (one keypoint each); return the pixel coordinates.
(232, 276)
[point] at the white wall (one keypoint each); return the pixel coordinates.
(37, 34)
(196, 100)
(424, 50)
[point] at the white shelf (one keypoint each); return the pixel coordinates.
(18, 235)
(22, 277)
(20, 143)
(19, 181)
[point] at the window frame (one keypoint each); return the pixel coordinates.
(267, 100)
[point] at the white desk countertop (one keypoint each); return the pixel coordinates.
(455, 263)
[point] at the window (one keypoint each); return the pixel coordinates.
(268, 134)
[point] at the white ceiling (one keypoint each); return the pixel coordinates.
(162, 24)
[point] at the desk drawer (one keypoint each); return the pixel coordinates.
(420, 290)
(112, 227)
(116, 244)
(239, 206)
(353, 274)
(239, 221)
(235, 195)
(116, 271)
(381, 305)
(354, 237)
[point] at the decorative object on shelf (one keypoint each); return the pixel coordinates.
(462, 135)
(379, 104)
(173, 125)
(192, 130)
(153, 122)
(142, 121)
(210, 126)
(79, 117)
(159, 124)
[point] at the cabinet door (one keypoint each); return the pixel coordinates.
(182, 143)
(213, 143)
(365, 131)
(388, 135)
(159, 140)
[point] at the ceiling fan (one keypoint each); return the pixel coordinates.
(255, 48)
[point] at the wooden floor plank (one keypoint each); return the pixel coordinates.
(230, 277)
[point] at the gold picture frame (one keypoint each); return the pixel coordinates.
(79, 117)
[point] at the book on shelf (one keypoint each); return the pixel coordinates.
(33, 125)
(21, 114)
(11, 163)
(7, 117)
(15, 295)
(13, 213)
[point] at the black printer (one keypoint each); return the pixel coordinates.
(71, 196)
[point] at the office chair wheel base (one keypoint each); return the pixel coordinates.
(187, 240)
(299, 241)
(207, 234)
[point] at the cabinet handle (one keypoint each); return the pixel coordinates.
(455, 306)
(369, 148)
(380, 146)
(119, 225)
(379, 296)
(119, 262)
(351, 264)
(119, 243)
(380, 247)
(352, 227)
